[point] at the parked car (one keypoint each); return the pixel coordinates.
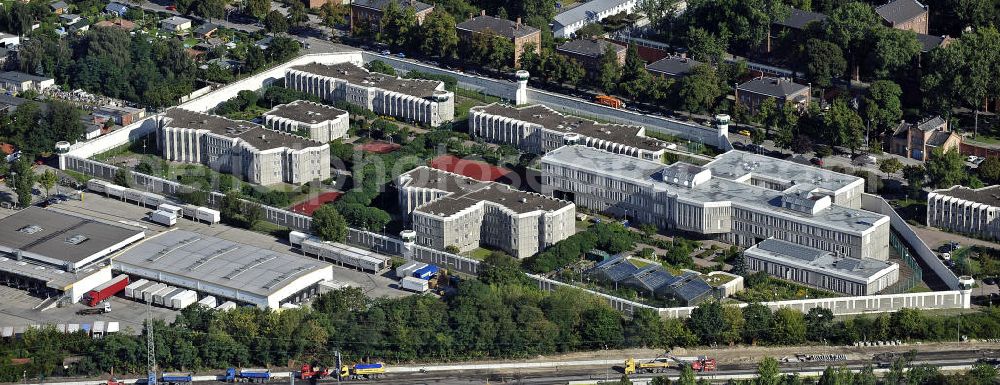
(744, 132)
(865, 159)
(401, 55)
(386, 52)
(816, 161)
(171, 7)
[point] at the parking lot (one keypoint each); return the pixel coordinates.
(18, 307)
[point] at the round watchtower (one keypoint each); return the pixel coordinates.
(521, 94)
(409, 239)
(965, 284)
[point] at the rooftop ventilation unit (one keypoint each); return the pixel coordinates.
(30, 229)
(77, 239)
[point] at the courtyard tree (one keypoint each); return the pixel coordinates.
(329, 224)
(438, 36)
(48, 180)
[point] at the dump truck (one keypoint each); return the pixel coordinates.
(654, 366)
(175, 378)
(362, 371)
(248, 375)
(310, 372)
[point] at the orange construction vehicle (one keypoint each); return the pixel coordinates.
(309, 372)
(704, 364)
(609, 101)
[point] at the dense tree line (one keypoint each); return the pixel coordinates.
(610, 237)
(34, 127)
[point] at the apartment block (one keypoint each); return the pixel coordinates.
(315, 121)
(821, 269)
(739, 198)
(966, 210)
(249, 151)
(538, 129)
(413, 100)
(448, 209)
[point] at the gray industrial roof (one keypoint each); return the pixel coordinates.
(502, 27)
(361, 77)
(15, 76)
(254, 134)
(590, 47)
(770, 86)
(799, 19)
(899, 11)
(584, 11)
(553, 120)
(381, 4)
(59, 236)
(989, 195)
(737, 164)
(306, 112)
(219, 262)
(816, 260)
(466, 192)
(673, 65)
(719, 188)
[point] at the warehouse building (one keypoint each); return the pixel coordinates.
(821, 269)
(315, 121)
(539, 129)
(53, 253)
(413, 100)
(966, 210)
(224, 269)
(244, 149)
(738, 198)
(452, 210)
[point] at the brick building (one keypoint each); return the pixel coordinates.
(916, 141)
(518, 33)
(368, 13)
(589, 51)
(753, 92)
(908, 15)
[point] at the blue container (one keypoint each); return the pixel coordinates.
(426, 272)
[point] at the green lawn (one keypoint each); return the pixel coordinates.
(478, 254)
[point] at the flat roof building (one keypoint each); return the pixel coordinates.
(739, 198)
(538, 129)
(244, 149)
(673, 66)
(226, 269)
(53, 252)
(415, 100)
(966, 210)
(20, 81)
(315, 121)
(821, 269)
(452, 210)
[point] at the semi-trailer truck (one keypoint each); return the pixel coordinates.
(106, 290)
(248, 375)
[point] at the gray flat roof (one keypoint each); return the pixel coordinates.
(306, 112)
(360, 76)
(254, 134)
(53, 277)
(717, 189)
(21, 77)
(817, 260)
(989, 195)
(60, 237)
(771, 86)
(737, 164)
(466, 192)
(219, 262)
(502, 27)
(553, 120)
(592, 47)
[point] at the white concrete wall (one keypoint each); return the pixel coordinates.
(88, 283)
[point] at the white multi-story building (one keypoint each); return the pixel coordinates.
(415, 100)
(966, 210)
(244, 149)
(821, 269)
(567, 23)
(539, 129)
(315, 121)
(740, 198)
(453, 210)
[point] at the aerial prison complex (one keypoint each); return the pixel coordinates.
(247, 150)
(538, 129)
(453, 210)
(414, 100)
(315, 121)
(966, 210)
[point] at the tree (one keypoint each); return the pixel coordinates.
(22, 180)
(501, 269)
(733, 318)
(708, 323)
(866, 376)
(210, 9)
(328, 224)
(438, 36)
(850, 25)
(767, 372)
(380, 67)
(705, 46)
(989, 170)
(788, 327)
(786, 120)
(699, 89)
(893, 53)
(758, 317)
(297, 14)
(634, 67)
(845, 124)
(610, 69)
(881, 106)
(943, 79)
(48, 180)
(252, 212)
(687, 376)
(258, 8)
(276, 22)
(822, 61)
(836, 376)
(397, 26)
(915, 176)
(333, 14)
(452, 249)
(945, 169)
(123, 177)
(889, 165)
(819, 324)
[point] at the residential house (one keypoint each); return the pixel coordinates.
(907, 15)
(69, 18)
(264, 43)
(674, 66)
(367, 14)
(59, 7)
(518, 33)
(916, 141)
(590, 51)
(116, 8)
(567, 23)
(930, 42)
(79, 26)
(753, 92)
(121, 116)
(116, 23)
(176, 24)
(206, 30)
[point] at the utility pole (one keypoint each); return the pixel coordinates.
(150, 348)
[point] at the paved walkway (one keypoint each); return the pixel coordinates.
(935, 238)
